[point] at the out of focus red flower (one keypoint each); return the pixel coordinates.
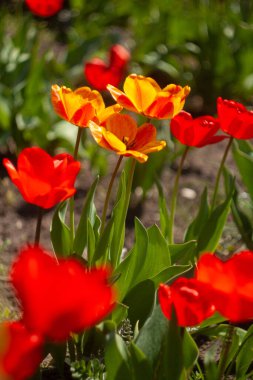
(58, 298)
(235, 119)
(20, 351)
(143, 95)
(119, 56)
(44, 8)
(190, 301)
(41, 179)
(196, 132)
(99, 74)
(121, 134)
(230, 283)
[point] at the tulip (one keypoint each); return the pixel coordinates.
(197, 132)
(81, 105)
(44, 8)
(59, 298)
(235, 119)
(190, 301)
(122, 135)
(99, 74)
(20, 351)
(41, 179)
(143, 95)
(230, 283)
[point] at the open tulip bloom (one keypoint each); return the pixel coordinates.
(143, 95)
(226, 287)
(122, 135)
(197, 132)
(60, 297)
(81, 105)
(41, 179)
(235, 119)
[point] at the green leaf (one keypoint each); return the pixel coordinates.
(243, 156)
(245, 355)
(190, 351)
(196, 225)
(104, 243)
(213, 228)
(164, 213)
(241, 220)
(133, 262)
(88, 212)
(116, 359)
(139, 363)
(151, 336)
(149, 257)
(59, 231)
(169, 274)
(184, 252)
(119, 217)
(157, 257)
(119, 313)
(91, 242)
(139, 311)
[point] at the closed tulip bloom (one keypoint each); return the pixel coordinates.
(122, 135)
(143, 95)
(230, 283)
(20, 351)
(197, 132)
(41, 179)
(235, 119)
(44, 8)
(81, 105)
(190, 301)
(60, 298)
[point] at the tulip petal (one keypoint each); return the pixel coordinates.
(121, 98)
(141, 91)
(122, 126)
(141, 157)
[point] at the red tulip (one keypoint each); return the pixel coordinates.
(99, 74)
(119, 56)
(60, 297)
(41, 179)
(44, 8)
(195, 132)
(190, 300)
(235, 119)
(230, 283)
(20, 351)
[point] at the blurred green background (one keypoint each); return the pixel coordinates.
(205, 44)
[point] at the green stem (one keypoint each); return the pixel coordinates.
(174, 196)
(72, 201)
(108, 194)
(38, 226)
(217, 181)
(78, 139)
(225, 351)
(130, 182)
